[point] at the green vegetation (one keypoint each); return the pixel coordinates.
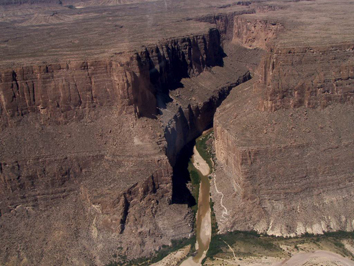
(339, 234)
(214, 223)
(243, 243)
(246, 244)
(195, 177)
(165, 250)
(204, 147)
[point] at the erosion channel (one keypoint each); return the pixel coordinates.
(199, 170)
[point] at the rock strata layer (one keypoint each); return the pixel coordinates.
(65, 91)
(95, 110)
(284, 141)
(88, 147)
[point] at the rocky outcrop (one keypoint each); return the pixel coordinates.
(86, 175)
(307, 76)
(284, 173)
(188, 123)
(285, 154)
(86, 163)
(255, 33)
(66, 91)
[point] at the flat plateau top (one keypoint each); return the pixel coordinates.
(251, 128)
(50, 32)
(313, 22)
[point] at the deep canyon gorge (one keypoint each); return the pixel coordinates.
(98, 99)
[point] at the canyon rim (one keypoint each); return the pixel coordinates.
(99, 99)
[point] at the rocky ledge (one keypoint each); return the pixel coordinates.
(284, 141)
(92, 127)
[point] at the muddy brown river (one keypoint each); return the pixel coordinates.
(203, 214)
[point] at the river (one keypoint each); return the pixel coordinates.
(203, 218)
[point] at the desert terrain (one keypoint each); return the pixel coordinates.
(100, 101)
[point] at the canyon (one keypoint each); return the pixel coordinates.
(287, 147)
(98, 99)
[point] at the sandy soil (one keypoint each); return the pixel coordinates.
(319, 257)
(251, 261)
(316, 258)
(204, 232)
(190, 262)
(174, 258)
(349, 245)
(200, 163)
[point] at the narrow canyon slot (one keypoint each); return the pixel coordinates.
(161, 132)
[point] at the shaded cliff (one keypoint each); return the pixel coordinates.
(190, 121)
(91, 150)
(89, 146)
(88, 133)
(65, 91)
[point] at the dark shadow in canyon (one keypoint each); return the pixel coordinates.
(190, 123)
(165, 74)
(180, 193)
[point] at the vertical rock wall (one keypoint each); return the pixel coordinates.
(285, 153)
(307, 76)
(65, 91)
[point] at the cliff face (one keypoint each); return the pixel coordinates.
(86, 174)
(280, 184)
(188, 123)
(86, 163)
(290, 77)
(225, 22)
(65, 91)
(60, 92)
(309, 76)
(283, 157)
(82, 117)
(168, 62)
(86, 187)
(254, 33)
(91, 224)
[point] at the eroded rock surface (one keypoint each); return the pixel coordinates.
(284, 141)
(98, 98)
(87, 140)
